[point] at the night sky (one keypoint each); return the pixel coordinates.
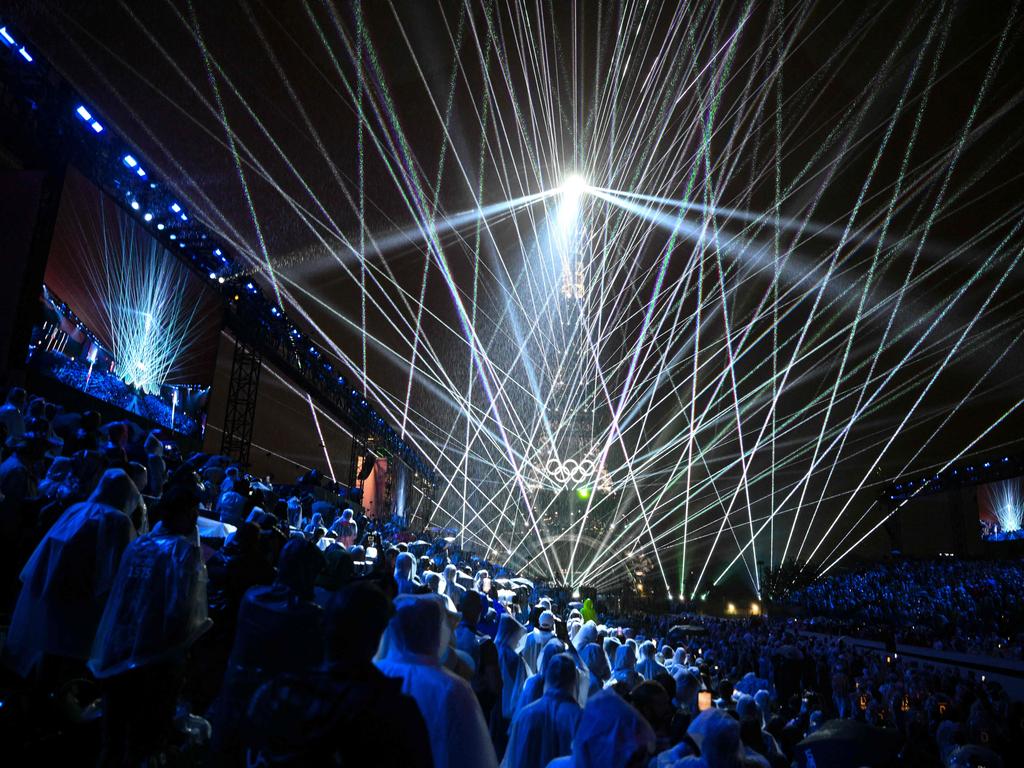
(821, 290)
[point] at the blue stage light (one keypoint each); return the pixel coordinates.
(96, 127)
(160, 227)
(25, 54)
(7, 36)
(140, 172)
(130, 161)
(84, 114)
(213, 275)
(135, 205)
(175, 207)
(148, 217)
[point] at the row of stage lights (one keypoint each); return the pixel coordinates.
(981, 472)
(170, 223)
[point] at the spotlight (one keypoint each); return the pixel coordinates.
(160, 227)
(583, 494)
(135, 205)
(213, 275)
(148, 216)
(575, 185)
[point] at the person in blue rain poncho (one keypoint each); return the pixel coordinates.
(624, 670)
(533, 688)
(611, 733)
(596, 659)
(544, 729)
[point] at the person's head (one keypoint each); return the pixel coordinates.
(17, 397)
(612, 732)
(433, 581)
(298, 565)
(717, 736)
(416, 626)
(405, 566)
(551, 648)
(472, 607)
(648, 649)
(746, 708)
(546, 621)
(117, 434)
(178, 509)
(482, 581)
(594, 657)
(654, 703)
(354, 619)
(625, 659)
(116, 489)
(560, 674)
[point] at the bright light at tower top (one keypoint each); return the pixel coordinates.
(575, 185)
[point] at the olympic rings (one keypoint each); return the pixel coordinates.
(570, 470)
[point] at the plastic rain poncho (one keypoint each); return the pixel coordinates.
(596, 659)
(533, 688)
(611, 733)
(513, 670)
(157, 607)
(535, 642)
(624, 669)
(67, 579)
(544, 730)
(648, 665)
(414, 642)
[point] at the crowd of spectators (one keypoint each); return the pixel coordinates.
(173, 610)
(950, 604)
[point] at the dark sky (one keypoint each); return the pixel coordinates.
(856, 111)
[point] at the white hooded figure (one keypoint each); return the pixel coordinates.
(624, 668)
(533, 688)
(415, 640)
(648, 666)
(405, 573)
(513, 670)
(67, 579)
(157, 607)
(544, 729)
(536, 640)
(611, 732)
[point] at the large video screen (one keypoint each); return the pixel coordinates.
(1001, 509)
(123, 320)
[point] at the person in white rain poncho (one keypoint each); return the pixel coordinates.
(414, 641)
(648, 666)
(533, 688)
(155, 612)
(544, 729)
(405, 573)
(66, 581)
(536, 640)
(611, 734)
